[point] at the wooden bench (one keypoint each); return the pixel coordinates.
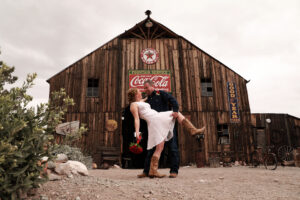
(110, 155)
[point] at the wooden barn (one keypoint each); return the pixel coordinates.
(208, 92)
(282, 131)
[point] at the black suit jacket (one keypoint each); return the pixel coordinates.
(162, 101)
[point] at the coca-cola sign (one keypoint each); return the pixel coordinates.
(160, 78)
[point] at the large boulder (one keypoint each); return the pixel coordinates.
(54, 177)
(71, 167)
(51, 165)
(78, 168)
(63, 169)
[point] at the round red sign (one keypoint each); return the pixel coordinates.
(149, 56)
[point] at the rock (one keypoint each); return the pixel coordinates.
(78, 167)
(54, 177)
(44, 159)
(71, 167)
(63, 169)
(116, 166)
(77, 198)
(49, 171)
(146, 196)
(236, 163)
(104, 166)
(221, 178)
(61, 158)
(94, 166)
(51, 165)
(70, 176)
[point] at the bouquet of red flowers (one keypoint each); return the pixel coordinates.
(136, 148)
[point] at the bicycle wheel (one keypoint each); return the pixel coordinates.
(270, 161)
(254, 159)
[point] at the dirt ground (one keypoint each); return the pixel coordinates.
(237, 182)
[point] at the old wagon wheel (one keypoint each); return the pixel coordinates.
(285, 153)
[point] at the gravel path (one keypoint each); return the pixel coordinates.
(192, 183)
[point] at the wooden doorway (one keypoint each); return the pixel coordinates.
(261, 138)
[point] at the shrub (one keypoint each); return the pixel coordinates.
(25, 133)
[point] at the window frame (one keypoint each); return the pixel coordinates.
(206, 87)
(223, 134)
(92, 89)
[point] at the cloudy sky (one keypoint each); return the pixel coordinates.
(259, 39)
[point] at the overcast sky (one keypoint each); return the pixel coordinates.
(259, 39)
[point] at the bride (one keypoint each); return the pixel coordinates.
(160, 126)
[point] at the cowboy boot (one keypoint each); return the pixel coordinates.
(173, 175)
(191, 128)
(142, 175)
(153, 168)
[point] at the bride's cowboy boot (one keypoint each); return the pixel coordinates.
(153, 173)
(191, 128)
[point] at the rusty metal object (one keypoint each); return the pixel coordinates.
(285, 153)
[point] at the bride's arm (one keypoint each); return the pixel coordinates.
(135, 113)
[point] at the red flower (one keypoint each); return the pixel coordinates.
(135, 147)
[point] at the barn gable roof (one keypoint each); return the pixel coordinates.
(156, 31)
(286, 114)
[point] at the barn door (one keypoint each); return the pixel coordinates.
(261, 138)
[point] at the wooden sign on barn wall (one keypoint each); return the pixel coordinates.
(233, 103)
(160, 78)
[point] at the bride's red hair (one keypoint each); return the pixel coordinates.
(131, 94)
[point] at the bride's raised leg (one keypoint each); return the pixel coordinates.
(189, 126)
(155, 160)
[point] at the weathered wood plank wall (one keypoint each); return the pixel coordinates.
(283, 129)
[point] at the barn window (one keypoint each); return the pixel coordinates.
(206, 87)
(92, 88)
(223, 134)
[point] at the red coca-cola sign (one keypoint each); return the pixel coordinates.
(160, 78)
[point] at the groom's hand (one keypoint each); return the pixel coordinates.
(175, 115)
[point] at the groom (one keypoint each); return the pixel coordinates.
(160, 101)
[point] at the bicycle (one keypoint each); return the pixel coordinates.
(269, 159)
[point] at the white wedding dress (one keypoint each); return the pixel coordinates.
(160, 124)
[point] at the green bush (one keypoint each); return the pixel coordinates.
(25, 133)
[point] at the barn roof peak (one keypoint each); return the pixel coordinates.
(148, 13)
(149, 29)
